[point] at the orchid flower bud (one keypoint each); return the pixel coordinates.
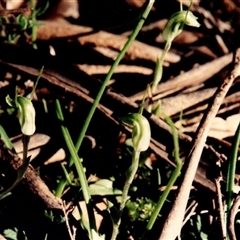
(26, 113)
(176, 22)
(141, 133)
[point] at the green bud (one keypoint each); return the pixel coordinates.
(176, 22)
(141, 133)
(26, 114)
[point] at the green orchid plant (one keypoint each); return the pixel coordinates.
(176, 23)
(141, 136)
(171, 30)
(26, 115)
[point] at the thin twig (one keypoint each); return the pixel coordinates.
(220, 207)
(191, 213)
(192, 208)
(173, 223)
(70, 232)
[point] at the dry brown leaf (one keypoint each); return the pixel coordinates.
(59, 28)
(178, 103)
(103, 69)
(224, 128)
(205, 50)
(136, 3)
(34, 146)
(13, 4)
(98, 217)
(193, 77)
(185, 37)
(220, 128)
(36, 140)
(32, 153)
(56, 157)
(66, 8)
(137, 50)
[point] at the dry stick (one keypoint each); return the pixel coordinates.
(31, 180)
(193, 77)
(220, 207)
(193, 207)
(173, 223)
(137, 50)
(70, 232)
(231, 219)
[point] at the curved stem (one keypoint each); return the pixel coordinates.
(173, 178)
(129, 179)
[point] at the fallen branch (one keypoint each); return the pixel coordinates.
(172, 225)
(137, 50)
(193, 77)
(31, 180)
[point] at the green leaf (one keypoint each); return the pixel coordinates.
(22, 21)
(6, 139)
(10, 234)
(13, 234)
(103, 187)
(42, 10)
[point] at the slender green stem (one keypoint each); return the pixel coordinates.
(181, 8)
(60, 187)
(158, 72)
(63, 182)
(73, 152)
(34, 21)
(21, 170)
(231, 175)
(130, 176)
(36, 83)
(129, 179)
(135, 158)
(232, 170)
(67, 175)
(173, 178)
(159, 65)
(106, 80)
(108, 77)
(163, 197)
(25, 147)
(111, 71)
(79, 168)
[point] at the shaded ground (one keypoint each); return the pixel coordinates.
(77, 51)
